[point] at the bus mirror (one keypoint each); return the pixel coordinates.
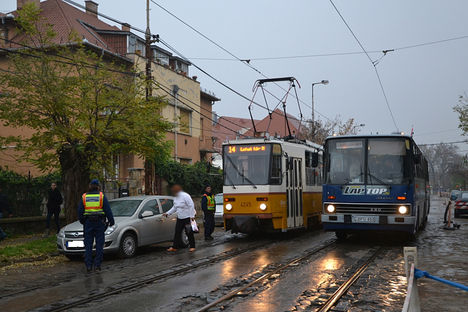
(315, 160)
(417, 159)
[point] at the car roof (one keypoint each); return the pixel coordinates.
(143, 197)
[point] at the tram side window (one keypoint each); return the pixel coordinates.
(275, 174)
(313, 175)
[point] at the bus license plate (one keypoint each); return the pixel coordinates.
(75, 244)
(365, 219)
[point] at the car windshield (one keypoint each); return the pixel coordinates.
(124, 208)
(464, 196)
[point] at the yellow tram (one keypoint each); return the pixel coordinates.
(271, 184)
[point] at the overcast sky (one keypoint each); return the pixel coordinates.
(423, 84)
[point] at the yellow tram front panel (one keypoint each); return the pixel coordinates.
(276, 208)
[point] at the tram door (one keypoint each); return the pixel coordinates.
(294, 192)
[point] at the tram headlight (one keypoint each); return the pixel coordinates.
(331, 208)
(263, 206)
(228, 207)
(403, 210)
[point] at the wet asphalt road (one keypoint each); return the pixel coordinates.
(303, 287)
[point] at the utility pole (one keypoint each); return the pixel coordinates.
(150, 175)
(148, 52)
(175, 92)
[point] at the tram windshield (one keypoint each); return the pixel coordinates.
(387, 161)
(253, 164)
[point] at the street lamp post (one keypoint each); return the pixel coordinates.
(323, 82)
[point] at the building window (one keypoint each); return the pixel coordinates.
(185, 161)
(202, 133)
(185, 121)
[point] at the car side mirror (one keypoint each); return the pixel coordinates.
(146, 214)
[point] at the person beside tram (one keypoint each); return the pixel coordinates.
(208, 205)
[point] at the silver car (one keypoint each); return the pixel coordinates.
(219, 212)
(138, 222)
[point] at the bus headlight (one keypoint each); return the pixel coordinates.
(403, 210)
(331, 208)
(263, 206)
(228, 206)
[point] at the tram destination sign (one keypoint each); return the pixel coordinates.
(366, 190)
(235, 149)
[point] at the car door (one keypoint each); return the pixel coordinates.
(149, 226)
(168, 225)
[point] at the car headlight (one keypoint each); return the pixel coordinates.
(110, 229)
(228, 206)
(403, 210)
(263, 206)
(331, 208)
(61, 234)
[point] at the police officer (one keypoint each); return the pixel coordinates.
(208, 205)
(93, 211)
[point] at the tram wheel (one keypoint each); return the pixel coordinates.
(341, 235)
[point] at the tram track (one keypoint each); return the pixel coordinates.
(328, 305)
(344, 287)
(266, 276)
(171, 272)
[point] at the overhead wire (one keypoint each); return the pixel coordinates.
(243, 61)
(374, 65)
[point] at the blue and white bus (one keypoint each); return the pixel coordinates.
(374, 182)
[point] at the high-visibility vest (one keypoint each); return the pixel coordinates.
(210, 202)
(93, 204)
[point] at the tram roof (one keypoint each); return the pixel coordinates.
(273, 140)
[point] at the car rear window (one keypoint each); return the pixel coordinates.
(464, 195)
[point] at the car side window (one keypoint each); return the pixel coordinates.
(166, 204)
(151, 205)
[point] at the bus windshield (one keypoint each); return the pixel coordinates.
(386, 161)
(345, 161)
(253, 164)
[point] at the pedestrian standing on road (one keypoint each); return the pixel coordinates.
(93, 210)
(4, 210)
(53, 207)
(447, 208)
(208, 205)
(185, 209)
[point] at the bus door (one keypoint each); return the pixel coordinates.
(294, 192)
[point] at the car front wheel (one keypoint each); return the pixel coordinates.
(128, 245)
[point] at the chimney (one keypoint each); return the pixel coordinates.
(20, 3)
(91, 8)
(126, 27)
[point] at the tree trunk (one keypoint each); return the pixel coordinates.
(75, 179)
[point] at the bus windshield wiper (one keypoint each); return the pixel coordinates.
(373, 176)
(240, 173)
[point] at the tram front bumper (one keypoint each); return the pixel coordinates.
(333, 222)
(246, 224)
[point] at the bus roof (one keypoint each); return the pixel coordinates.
(273, 140)
(358, 136)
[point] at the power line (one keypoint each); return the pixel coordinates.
(243, 61)
(374, 64)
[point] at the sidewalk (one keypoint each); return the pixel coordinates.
(443, 253)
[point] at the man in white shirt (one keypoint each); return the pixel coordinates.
(185, 209)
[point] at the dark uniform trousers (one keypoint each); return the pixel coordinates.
(94, 229)
(209, 223)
